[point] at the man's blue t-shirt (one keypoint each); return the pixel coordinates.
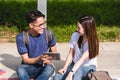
(37, 44)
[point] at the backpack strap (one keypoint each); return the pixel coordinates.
(25, 38)
(48, 36)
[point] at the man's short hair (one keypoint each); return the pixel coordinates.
(33, 15)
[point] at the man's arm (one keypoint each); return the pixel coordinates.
(53, 48)
(28, 60)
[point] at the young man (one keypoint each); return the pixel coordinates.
(34, 64)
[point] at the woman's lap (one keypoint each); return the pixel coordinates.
(82, 71)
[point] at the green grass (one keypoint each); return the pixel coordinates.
(105, 33)
(8, 33)
(63, 32)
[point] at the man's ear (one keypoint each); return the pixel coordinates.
(30, 25)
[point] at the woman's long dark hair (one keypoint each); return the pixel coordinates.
(89, 26)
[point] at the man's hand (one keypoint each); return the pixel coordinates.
(46, 59)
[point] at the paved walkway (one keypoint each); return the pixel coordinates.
(107, 60)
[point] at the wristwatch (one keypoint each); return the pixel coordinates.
(72, 71)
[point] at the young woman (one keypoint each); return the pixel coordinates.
(84, 47)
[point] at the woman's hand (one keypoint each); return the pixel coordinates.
(70, 76)
(62, 71)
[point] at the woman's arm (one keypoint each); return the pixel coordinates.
(69, 58)
(80, 61)
(77, 65)
(67, 62)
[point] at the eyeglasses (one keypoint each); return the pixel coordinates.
(42, 25)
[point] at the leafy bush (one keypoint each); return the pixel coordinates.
(62, 17)
(105, 12)
(64, 13)
(13, 12)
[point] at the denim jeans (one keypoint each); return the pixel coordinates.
(82, 71)
(36, 71)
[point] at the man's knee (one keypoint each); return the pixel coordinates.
(49, 69)
(58, 77)
(50, 66)
(20, 70)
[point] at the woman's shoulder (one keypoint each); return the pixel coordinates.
(75, 35)
(74, 38)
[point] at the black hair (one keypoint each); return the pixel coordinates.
(33, 15)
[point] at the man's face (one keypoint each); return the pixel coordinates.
(38, 25)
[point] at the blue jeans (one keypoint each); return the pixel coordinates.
(82, 71)
(36, 71)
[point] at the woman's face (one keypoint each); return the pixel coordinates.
(80, 29)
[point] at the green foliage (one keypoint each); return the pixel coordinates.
(62, 17)
(66, 12)
(63, 32)
(13, 12)
(106, 33)
(8, 32)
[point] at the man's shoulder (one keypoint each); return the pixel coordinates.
(19, 35)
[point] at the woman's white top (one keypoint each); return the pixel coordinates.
(78, 52)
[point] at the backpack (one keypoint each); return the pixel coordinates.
(97, 75)
(48, 38)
